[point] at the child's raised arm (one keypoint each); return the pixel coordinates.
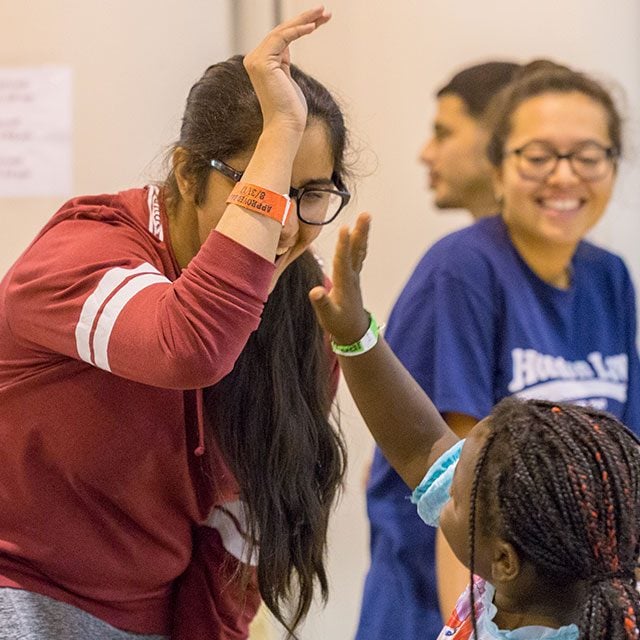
(400, 416)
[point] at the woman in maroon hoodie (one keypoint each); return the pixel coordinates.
(133, 502)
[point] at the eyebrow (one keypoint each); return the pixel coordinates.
(317, 182)
(547, 143)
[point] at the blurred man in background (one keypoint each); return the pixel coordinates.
(400, 599)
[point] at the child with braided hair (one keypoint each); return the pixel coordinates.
(541, 501)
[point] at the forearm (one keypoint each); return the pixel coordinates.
(401, 417)
(270, 168)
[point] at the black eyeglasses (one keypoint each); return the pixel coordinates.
(314, 205)
(589, 161)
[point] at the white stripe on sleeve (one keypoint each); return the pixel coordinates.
(112, 310)
(109, 283)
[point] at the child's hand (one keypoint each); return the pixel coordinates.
(340, 311)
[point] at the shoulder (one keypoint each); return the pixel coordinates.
(601, 267)
(89, 234)
(466, 271)
(98, 226)
(130, 206)
(476, 255)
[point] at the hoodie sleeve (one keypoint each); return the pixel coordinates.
(96, 290)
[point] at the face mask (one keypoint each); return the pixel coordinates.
(433, 492)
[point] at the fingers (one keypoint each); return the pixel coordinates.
(319, 297)
(359, 241)
(342, 259)
(316, 16)
(302, 25)
(340, 311)
(351, 250)
(268, 66)
(321, 303)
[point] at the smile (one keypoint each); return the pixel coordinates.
(561, 205)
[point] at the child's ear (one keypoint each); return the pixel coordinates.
(506, 565)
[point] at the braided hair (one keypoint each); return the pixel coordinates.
(562, 484)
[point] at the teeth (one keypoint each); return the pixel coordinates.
(562, 205)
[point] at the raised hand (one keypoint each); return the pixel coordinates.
(268, 66)
(400, 416)
(340, 311)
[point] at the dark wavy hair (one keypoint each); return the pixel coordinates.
(270, 415)
(537, 78)
(561, 483)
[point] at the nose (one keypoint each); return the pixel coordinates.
(563, 173)
(427, 152)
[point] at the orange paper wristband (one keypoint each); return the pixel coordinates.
(267, 203)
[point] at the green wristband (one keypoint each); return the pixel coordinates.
(367, 342)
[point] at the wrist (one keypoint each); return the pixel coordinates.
(272, 160)
(368, 339)
(354, 333)
(262, 201)
(283, 133)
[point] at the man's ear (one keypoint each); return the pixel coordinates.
(506, 564)
(496, 181)
(183, 178)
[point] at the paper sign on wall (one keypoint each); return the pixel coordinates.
(35, 131)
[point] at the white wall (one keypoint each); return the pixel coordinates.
(132, 65)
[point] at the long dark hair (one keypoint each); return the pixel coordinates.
(270, 417)
(561, 483)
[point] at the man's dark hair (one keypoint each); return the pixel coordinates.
(476, 85)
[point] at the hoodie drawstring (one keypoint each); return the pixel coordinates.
(199, 450)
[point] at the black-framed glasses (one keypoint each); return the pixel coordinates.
(314, 205)
(589, 161)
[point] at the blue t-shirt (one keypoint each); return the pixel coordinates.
(473, 325)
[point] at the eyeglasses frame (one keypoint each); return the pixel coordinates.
(236, 176)
(612, 155)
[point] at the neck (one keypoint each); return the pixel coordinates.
(483, 205)
(183, 232)
(550, 262)
(545, 604)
